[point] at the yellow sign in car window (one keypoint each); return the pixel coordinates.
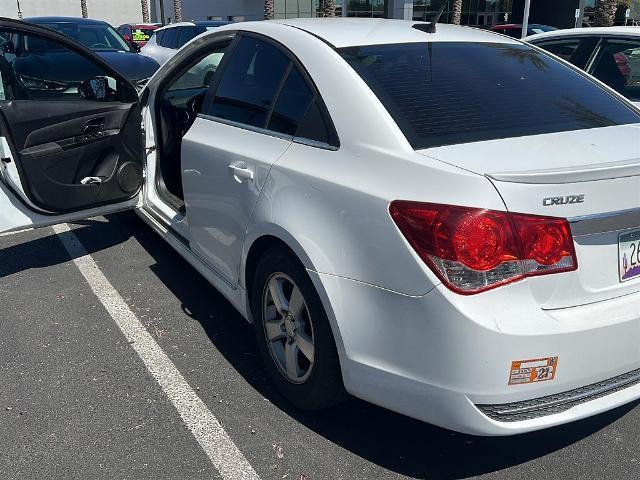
(140, 36)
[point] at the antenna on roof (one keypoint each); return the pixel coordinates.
(431, 26)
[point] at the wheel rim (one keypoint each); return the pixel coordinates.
(288, 328)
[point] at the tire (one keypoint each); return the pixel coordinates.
(310, 385)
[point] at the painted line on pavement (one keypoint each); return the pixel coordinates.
(204, 426)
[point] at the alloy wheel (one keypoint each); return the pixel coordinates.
(288, 328)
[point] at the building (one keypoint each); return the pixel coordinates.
(475, 12)
(114, 12)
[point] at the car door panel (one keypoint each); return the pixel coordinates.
(58, 145)
(71, 140)
(219, 203)
(34, 123)
(70, 151)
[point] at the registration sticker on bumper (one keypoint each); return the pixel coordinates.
(534, 370)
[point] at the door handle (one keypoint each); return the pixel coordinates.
(240, 171)
(91, 181)
(94, 125)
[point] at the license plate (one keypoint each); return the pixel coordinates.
(629, 255)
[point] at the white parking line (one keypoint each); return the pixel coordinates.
(204, 426)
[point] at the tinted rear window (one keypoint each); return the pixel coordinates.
(445, 93)
(170, 37)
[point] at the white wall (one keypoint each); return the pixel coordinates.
(114, 12)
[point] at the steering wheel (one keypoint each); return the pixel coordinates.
(99, 45)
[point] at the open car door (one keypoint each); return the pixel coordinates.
(71, 142)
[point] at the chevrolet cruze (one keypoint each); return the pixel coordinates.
(437, 219)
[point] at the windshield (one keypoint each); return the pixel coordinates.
(99, 37)
(444, 93)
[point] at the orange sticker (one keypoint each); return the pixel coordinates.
(535, 370)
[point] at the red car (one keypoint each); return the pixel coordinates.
(138, 33)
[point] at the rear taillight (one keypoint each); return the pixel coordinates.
(473, 249)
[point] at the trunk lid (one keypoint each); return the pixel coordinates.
(592, 178)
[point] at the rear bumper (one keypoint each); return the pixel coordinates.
(446, 359)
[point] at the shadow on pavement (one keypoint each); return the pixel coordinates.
(46, 250)
(392, 441)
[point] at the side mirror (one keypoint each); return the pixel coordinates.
(134, 46)
(94, 89)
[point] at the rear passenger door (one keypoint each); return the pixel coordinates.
(259, 103)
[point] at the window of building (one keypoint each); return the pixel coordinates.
(474, 12)
(313, 8)
(365, 8)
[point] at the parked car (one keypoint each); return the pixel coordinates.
(99, 36)
(611, 54)
(138, 33)
(397, 219)
(166, 41)
(515, 29)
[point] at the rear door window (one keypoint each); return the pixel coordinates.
(250, 82)
(577, 51)
(299, 111)
(170, 38)
(564, 49)
(186, 34)
(445, 93)
(158, 37)
(618, 65)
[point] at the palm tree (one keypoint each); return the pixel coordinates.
(329, 8)
(605, 12)
(145, 10)
(83, 9)
(177, 9)
(456, 11)
(268, 9)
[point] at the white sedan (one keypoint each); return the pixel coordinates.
(442, 221)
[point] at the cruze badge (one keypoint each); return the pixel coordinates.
(549, 201)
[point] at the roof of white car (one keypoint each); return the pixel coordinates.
(178, 24)
(346, 32)
(571, 32)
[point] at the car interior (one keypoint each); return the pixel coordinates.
(179, 103)
(617, 67)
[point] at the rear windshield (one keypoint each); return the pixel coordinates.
(444, 93)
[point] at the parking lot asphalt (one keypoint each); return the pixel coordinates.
(78, 401)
